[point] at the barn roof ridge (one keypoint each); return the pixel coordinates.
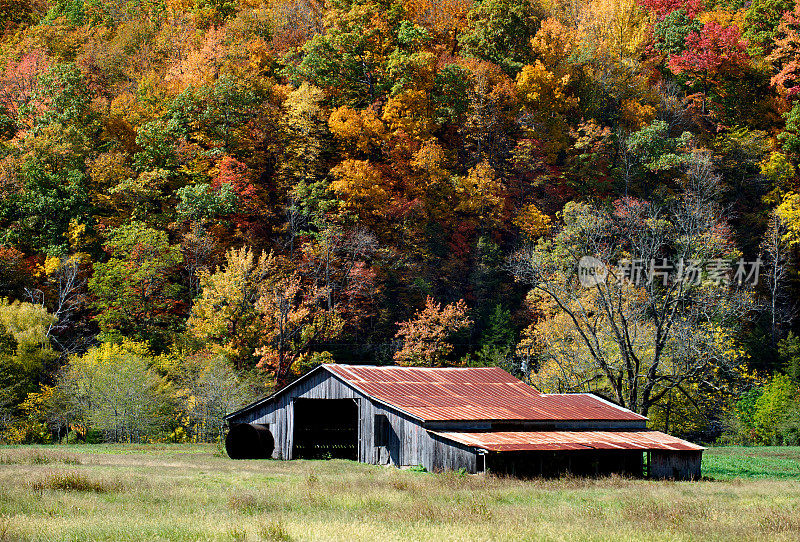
(595, 396)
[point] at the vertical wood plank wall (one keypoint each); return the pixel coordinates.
(678, 465)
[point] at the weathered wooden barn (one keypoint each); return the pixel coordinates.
(475, 419)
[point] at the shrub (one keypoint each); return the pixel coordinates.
(775, 409)
(114, 389)
(768, 415)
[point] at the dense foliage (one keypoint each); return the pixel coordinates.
(204, 199)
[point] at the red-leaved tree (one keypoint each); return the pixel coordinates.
(714, 53)
(236, 174)
(785, 57)
(662, 8)
(19, 85)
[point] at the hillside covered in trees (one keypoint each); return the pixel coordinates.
(201, 200)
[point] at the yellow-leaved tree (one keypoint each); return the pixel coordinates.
(617, 29)
(360, 131)
(224, 316)
(360, 186)
(554, 44)
(541, 89)
(546, 97)
(532, 222)
(789, 213)
(26, 358)
(481, 193)
(430, 181)
(409, 112)
(779, 171)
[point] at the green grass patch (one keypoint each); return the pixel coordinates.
(777, 462)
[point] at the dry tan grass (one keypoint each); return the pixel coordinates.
(37, 456)
(73, 481)
(188, 493)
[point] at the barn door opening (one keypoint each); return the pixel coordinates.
(325, 429)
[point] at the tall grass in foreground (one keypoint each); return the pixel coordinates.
(73, 481)
(160, 494)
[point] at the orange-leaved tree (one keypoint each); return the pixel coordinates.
(425, 337)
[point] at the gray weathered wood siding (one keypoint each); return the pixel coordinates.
(443, 455)
(678, 464)
(411, 444)
(408, 443)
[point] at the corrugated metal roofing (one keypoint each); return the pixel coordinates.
(512, 441)
(475, 393)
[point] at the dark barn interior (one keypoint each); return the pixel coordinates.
(325, 429)
(530, 464)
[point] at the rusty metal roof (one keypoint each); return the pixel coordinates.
(513, 441)
(479, 394)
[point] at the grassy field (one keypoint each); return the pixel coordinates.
(187, 492)
(780, 462)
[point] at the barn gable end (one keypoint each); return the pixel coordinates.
(405, 435)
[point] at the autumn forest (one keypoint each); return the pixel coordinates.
(201, 200)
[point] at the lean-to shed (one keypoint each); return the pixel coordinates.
(453, 418)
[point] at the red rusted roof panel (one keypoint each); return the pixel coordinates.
(480, 393)
(507, 441)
